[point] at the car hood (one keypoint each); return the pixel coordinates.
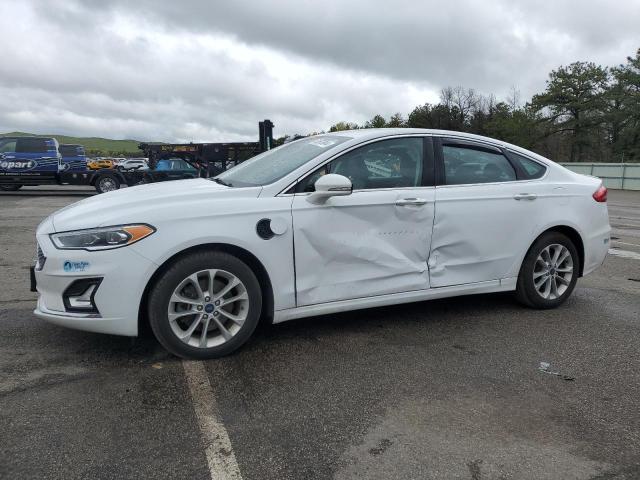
(137, 204)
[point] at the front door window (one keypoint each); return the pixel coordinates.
(393, 163)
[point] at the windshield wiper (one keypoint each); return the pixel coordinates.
(222, 182)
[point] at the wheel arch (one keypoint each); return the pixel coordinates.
(246, 256)
(102, 172)
(573, 235)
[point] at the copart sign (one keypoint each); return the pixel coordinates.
(22, 165)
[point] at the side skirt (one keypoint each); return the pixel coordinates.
(504, 285)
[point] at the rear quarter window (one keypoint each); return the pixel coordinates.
(529, 168)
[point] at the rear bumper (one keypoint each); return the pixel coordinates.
(596, 247)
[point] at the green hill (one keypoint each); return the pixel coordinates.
(94, 146)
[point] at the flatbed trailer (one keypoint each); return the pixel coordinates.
(102, 180)
(34, 161)
(210, 159)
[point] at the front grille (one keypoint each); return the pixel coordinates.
(40, 258)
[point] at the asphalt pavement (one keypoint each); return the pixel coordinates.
(445, 389)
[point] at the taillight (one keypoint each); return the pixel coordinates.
(600, 195)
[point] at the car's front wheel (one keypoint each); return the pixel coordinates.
(549, 272)
(206, 305)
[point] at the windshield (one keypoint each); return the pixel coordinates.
(275, 164)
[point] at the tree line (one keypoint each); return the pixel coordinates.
(587, 113)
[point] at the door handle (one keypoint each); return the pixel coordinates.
(410, 201)
(525, 196)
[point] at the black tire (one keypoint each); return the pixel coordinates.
(160, 295)
(526, 291)
(107, 182)
(10, 188)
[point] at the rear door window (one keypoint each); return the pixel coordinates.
(469, 165)
(71, 150)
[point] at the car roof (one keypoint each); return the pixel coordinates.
(364, 134)
(29, 137)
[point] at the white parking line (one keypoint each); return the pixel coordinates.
(624, 253)
(220, 457)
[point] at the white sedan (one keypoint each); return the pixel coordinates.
(133, 164)
(324, 224)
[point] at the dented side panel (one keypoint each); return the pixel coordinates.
(481, 232)
(362, 245)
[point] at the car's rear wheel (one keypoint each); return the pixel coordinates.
(10, 188)
(549, 271)
(206, 305)
(107, 183)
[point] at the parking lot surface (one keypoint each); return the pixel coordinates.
(441, 389)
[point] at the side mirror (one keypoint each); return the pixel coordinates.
(330, 185)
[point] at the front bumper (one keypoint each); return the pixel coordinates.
(124, 275)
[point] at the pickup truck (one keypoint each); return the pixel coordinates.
(33, 161)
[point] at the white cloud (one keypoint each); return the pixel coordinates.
(201, 71)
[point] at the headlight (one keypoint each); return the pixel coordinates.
(101, 238)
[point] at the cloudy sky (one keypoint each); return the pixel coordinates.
(206, 70)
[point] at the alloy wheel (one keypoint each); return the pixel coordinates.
(208, 308)
(553, 271)
(107, 184)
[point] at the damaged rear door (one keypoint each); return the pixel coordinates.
(375, 241)
(486, 215)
